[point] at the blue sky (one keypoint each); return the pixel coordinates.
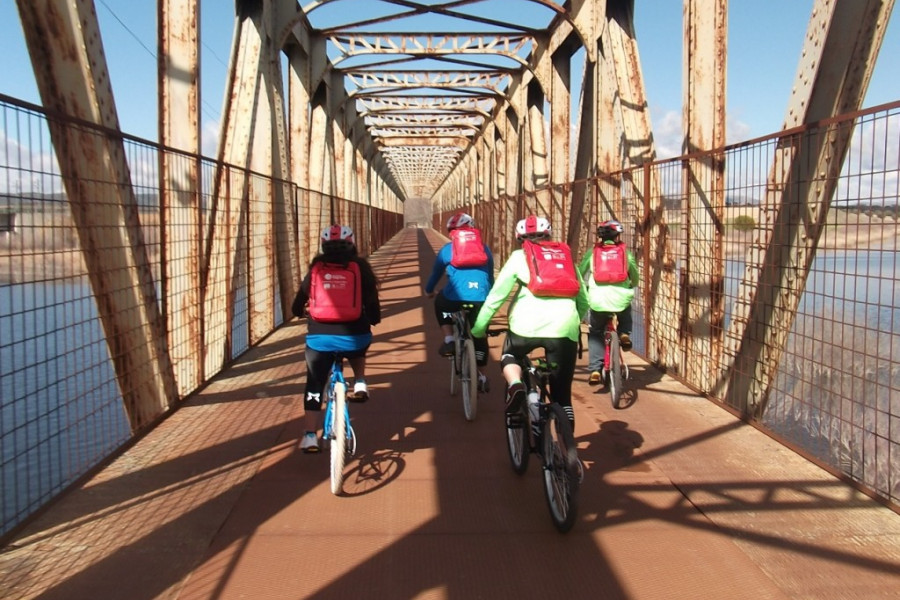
(765, 39)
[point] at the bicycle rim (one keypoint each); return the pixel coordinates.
(339, 438)
(517, 442)
(454, 372)
(560, 468)
(615, 371)
(469, 380)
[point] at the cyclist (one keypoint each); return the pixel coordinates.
(552, 323)
(611, 273)
(469, 265)
(332, 329)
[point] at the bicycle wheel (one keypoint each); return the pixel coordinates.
(338, 439)
(468, 379)
(517, 443)
(561, 481)
(454, 368)
(615, 371)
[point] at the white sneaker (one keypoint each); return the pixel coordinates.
(483, 384)
(360, 392)
(310, 443)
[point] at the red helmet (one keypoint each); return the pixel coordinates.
(532, 227)
(609, 230)
(338, 238)
(460, 220)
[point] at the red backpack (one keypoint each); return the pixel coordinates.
(610, 263)
(335, 294)
(551, 269)
(467, 249)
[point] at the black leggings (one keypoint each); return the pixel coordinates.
(318, 368)
(561, 355)
(444, 308)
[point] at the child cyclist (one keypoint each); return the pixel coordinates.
(611, 273)
(469, 265)
(338, 324)
(552, 323)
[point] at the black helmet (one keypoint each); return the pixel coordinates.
(609, 230)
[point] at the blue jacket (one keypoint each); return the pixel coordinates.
(465, 285)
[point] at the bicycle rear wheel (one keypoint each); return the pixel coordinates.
(454, 368)
(517, 443)
(616, 381)
(338, 441)
(561, 481)
(468, 379)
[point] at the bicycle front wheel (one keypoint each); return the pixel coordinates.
(338, 441)
(561, 479)
(517, 442)
(468, 380)
(616, 380)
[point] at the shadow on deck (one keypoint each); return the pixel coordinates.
(680, 499)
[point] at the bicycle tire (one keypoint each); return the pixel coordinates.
(468, 379)
(338, 441)
(560, 472)
(517, 442)
(454, 368)
(616, 382)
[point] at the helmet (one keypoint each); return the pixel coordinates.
(609, 230)
(532, 227)
(460, 220)
(337, 238)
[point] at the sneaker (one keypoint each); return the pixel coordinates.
(360, 392)
(446, 349)
(483, 384)
(594, 379)
(515, 396)
(625, 342)
(310, 443)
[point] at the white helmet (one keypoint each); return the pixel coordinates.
(460, 220)
(532, 227)
(337, 238)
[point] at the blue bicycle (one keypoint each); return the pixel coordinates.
(337, 430)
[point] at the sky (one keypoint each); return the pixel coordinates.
(764, 44)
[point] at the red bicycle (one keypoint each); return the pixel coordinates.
(615, 371)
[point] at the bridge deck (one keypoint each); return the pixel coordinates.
(680, 499)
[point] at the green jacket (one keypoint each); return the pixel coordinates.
(609, 297)
(529, 315)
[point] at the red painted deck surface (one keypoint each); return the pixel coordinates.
(680, 499)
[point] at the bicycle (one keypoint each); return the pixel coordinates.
(463, 366)
(542, 426)
(615, 371)
(337, 429)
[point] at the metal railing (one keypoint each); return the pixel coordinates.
(773, 290)
(63, 400)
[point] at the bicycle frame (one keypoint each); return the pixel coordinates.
(336, 376)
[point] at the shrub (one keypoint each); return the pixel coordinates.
(744, 223)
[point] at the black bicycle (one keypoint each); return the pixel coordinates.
(463, 367)
(542, 426)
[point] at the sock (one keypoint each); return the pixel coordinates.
(448, 339)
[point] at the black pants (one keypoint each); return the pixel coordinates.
(318, 368)
(561, 356)
(444, 308)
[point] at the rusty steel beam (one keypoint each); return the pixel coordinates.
(842, 41)
(66, 50)
(703, 182)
